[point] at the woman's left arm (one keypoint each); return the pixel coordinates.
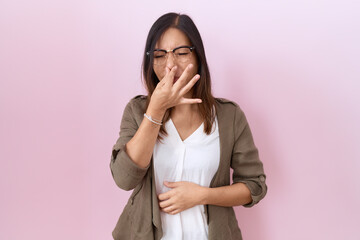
(249, 185)
(245, 161)
(227, 196)
(184, 195)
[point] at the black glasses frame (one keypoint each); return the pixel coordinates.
(149, 53)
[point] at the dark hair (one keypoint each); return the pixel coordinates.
(202, 88)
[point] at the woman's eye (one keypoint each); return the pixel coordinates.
(182, 51)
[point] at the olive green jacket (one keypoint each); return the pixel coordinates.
(140, 218)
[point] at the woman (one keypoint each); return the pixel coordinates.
(178, 143)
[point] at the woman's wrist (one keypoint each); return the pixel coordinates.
(155, 111)
(204, 195)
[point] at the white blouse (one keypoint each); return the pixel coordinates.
(196, 159)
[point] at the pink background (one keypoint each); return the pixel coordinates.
(68, 68)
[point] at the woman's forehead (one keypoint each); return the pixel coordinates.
(171, 39)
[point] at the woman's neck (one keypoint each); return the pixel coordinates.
(184, 109)
(186, 112)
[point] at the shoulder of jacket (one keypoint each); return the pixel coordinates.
(226, 101)
(139, 99)
(137, 104)
(227, 106)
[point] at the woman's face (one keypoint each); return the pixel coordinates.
(173, 38)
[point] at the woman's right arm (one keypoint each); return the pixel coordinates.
(135, 137)
(134, 148)
(140, 147)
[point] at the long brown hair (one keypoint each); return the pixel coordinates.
(202, 88)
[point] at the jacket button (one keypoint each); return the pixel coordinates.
(262, 178)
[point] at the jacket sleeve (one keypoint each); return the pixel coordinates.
(126, 173)
(245, 160)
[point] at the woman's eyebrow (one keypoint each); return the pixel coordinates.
(173, 48)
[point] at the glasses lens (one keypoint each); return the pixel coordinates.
(159, 57)
(182, 54)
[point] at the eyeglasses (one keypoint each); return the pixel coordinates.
(181, 54)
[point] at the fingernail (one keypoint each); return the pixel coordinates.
(190, 66)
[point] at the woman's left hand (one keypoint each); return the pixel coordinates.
(182, 196)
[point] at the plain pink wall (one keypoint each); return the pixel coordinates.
(68, 68)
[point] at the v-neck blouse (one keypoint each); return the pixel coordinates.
(196, 159)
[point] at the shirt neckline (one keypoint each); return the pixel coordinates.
(192, 135)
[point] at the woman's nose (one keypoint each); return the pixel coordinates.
(170, 61)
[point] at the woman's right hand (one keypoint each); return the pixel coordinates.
(168, 94)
